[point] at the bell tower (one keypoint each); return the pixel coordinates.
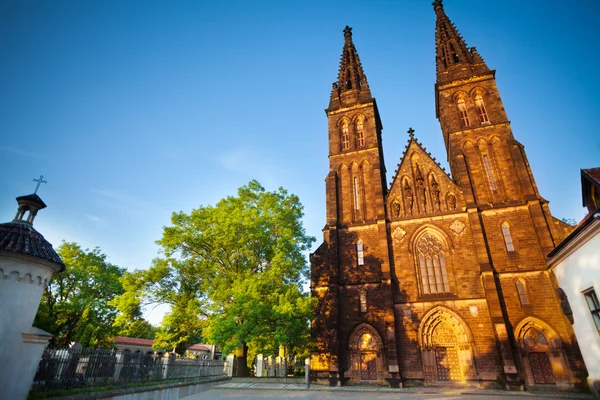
(357, 171)
(485, 159)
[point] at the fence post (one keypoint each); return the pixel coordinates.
(118, 366)
(307, 372)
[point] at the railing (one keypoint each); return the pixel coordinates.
(69, 369)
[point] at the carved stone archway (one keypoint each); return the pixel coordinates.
(366, 355)
(446, 347)
(542, 353)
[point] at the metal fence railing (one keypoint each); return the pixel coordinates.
(81, 368)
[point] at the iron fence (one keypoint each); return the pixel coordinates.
(82, 368)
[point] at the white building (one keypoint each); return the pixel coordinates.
(27, 261)
(576, 264)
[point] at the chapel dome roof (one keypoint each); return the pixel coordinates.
(18, 237)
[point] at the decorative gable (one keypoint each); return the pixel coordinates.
(420, 186)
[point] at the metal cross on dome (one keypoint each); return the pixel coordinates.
(39, 182)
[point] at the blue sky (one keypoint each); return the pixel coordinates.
(134, 109)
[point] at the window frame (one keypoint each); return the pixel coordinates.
(360, 253)
(462, 112)
(521, 286)
(345, 137)
(590, 294)
(481, 109)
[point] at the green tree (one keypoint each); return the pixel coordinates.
(237, 267)
(75, 306)
(130, 321)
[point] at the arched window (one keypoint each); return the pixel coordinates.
(360, 255)
(488, 169)
(480, 105)
(432, 265)
(360, 134)
(521, 290)
(345, 137)
(462, 110)
(507, 238)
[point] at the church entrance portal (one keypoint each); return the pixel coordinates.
(366, 359)
(446, 347)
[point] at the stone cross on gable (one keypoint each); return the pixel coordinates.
(411, 132)
(39, 182)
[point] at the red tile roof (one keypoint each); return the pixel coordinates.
(593, 173)
(133, 341)
(198, 347)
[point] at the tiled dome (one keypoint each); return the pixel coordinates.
(21, 238)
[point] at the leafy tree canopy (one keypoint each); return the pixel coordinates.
(237, 267)
(76, 304)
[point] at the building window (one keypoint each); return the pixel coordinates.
(363, 300)
(483, 116)
(522, 292)
(360, 255)
(356, 198)
(432, 265)
(507, 238)
(462, 110)
(345, 137)
(360, 134)
(488, 169)
(592, 301)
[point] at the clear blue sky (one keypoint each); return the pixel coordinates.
(135, 109)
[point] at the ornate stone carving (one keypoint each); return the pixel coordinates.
(399, 233)
(452, 202)
(409, 198)
(435, 192)
(421, 190)
(457, 227)
(26, 278)
(395, 209)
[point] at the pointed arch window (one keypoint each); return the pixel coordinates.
(462, 110)
(507, 237)
(432, 265)
(488, 169)
(360, 254)
(360, 133)
(345, 137)
(522, 291)
(356, 196)
(480, 105)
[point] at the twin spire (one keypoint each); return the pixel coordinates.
(452, 51)
(351, 86)
(454, 60)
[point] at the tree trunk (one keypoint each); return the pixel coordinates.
(240, 366)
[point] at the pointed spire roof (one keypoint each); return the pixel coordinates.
(351, 86)
(452, 54)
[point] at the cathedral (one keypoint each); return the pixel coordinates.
(437, 277)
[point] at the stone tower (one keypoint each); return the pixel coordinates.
(27, 262)
(440, 277)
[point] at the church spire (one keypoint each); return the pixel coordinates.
(351, 86)
(454, 60)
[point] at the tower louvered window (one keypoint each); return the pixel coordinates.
(483, 116)
(356, 196)
(360, 134)
(432, 265)
(462, 110)
(345, 137)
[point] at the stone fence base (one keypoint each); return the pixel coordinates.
(171, 391)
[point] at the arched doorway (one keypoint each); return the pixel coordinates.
(541, 353)
(446, 347)
(366, 356)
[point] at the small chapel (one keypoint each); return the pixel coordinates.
(436, 277)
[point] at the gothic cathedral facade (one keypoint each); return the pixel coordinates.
(436, 277)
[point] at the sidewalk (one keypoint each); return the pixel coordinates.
(457, 391)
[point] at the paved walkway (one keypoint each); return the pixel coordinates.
(282, 391)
